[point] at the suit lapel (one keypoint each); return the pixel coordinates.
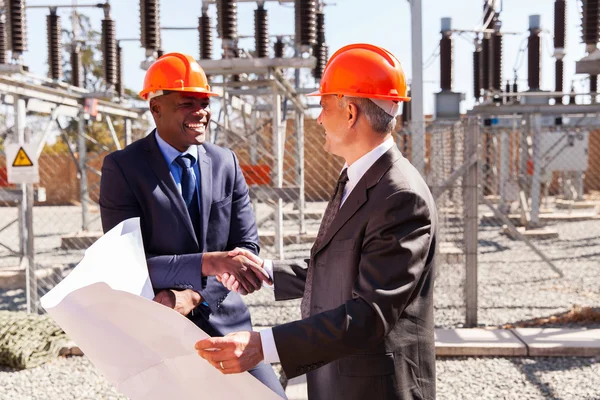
(206, 189)
(157, 162)
(359, 195)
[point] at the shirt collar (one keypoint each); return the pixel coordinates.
(362, 165)
(170, 153)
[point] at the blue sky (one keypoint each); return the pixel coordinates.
(381, 22)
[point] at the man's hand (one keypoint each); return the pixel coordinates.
(245, 270)
(234, 353)
(230, 282)
(182, 301)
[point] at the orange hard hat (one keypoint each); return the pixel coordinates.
(175, 72)
(364, 70)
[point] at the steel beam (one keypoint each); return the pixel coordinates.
(253, 65)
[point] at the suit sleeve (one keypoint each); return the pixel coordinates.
(242, 231)
(393, 260)
(289, 277)
(118, 203)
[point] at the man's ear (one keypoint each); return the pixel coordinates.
(352, 114)
(155, 107)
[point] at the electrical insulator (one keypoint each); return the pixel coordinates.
(321, 53)
(76, 67)
(497, 61)
(477, 74)
(486, 62)
(507, 87)
(534, 48)
(119, 84)
(109, 51)
(261, 32)
(590, 20)
(320, 49)
(558, 78)
(206, 37)
(278, 47)
(560, 21)
(593, 84)
(2, 38)
(17, 33)
(227, 14)
(446, 61)
(54, 46)
(305, 15)
(159, 53)
(515, 87)
(150, 24)
(320, 21)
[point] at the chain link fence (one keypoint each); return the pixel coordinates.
(499, 257)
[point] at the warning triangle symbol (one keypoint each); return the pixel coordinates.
(22, 159)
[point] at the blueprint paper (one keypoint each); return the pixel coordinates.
(146, 350)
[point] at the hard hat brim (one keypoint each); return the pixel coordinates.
(380, 97)
(144, 94)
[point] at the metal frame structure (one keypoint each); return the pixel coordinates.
(57, 101)
(265, 97)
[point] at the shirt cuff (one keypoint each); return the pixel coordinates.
(268, 344)
(268, 267)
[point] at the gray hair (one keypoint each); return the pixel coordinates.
(380, 121)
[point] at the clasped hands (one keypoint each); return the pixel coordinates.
(239, 270)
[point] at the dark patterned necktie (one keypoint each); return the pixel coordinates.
(189, 190)
(328, 217)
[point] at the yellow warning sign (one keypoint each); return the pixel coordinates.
(22, 159)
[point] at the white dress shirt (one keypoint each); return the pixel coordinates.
(355, 173)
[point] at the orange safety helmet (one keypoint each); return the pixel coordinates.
(175, 72)
(364, 70)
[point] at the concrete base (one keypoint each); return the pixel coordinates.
(14, 277)
(540, 233)
(79, 241)
(477, 342)
(576, 205)
(448, 253)
(490, 218)
(557, 342)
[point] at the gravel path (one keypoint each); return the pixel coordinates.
(458, 378)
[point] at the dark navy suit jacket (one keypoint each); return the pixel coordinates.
(136, 182)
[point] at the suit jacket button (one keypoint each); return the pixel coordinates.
(300, 370)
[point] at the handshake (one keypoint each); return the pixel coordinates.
(238, 270)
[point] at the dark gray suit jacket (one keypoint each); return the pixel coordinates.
(136, 182)
(371, 332)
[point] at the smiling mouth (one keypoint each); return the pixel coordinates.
(199, 128)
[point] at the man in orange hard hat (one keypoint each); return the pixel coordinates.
(193, 203)
(367, 292)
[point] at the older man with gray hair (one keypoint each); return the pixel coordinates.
(367, 327)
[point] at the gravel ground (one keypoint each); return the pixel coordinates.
(457, 378)
(518, 378)
(514, 286)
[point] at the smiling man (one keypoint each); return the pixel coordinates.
(193, 204)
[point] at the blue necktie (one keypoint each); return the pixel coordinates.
(189, 190)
